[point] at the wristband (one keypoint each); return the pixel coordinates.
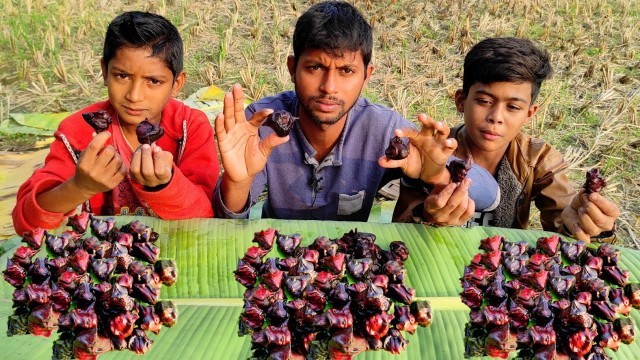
(604, 237)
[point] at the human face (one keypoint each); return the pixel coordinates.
(139, 85)
(327, 85)
(494, 114)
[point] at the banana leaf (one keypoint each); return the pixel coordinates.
(210, 300)
(34, 124)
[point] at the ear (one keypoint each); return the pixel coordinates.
(460, 98)
(533, 109)
(178, 83)
(103, 66)
(291, 65)
(367, 73)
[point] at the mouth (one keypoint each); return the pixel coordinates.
(133, 111)
(327, 105)
(489, 135)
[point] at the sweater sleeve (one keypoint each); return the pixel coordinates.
(58, 167)
(190, 191)
(552, 191)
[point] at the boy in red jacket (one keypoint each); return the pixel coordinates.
(111, 173)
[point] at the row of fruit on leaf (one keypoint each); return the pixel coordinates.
(333, 298)
(559, 299)
(100, 291)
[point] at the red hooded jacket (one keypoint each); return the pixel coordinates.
(188, 194)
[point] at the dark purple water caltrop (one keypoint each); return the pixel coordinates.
(281, 122)
(148, 132)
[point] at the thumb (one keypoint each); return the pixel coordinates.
(387, 163)
(270, 142)
(96, 144)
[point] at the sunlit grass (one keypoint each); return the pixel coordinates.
(50, 52)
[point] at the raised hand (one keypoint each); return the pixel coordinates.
(99, 169)
(151, 166)
(589, 215)
(429, 151)
(450, 206)
(242, 151)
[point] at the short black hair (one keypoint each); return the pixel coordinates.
(506, 59)
(138, 29)
(334, 27)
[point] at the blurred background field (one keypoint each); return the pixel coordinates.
(50, 63)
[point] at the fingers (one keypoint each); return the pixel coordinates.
(459, 198)
(233, 109)
(238, 103)
(105, 157)
(438, 129)
(163, 164)
(579, 234)
(219, 128)
(229, 111)
(136, 161)
(270, 142)
(147, 170)
(576, 202)
(96, 144)
(603, 205)
(122, 172)
(141, 164)
(450, 145)
(259, 116)
(589, 215)
(598, 215)
(463, 212)
(409, 133)
(437, 202)
(387, 163)
(452, 205)
(151, 166)
(587, 224)
(117, 170)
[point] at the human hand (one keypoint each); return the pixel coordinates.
(100, 168)
(429, 150)
(589, 215)
(242, 151)
(151, 166)
(450, 206)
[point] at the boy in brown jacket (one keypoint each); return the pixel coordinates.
(502, 78)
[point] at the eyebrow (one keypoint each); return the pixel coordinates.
(514, 98)
(152, 76)
(116, 68)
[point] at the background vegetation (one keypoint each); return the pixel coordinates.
(50, 53)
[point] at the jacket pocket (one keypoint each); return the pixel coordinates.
(349, 204)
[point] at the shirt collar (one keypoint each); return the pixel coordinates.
(335, 156)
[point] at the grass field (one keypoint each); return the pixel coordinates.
(50, 53)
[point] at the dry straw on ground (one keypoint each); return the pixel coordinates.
(50, 51)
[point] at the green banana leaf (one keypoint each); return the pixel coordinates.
(35, 124)
(210, 300)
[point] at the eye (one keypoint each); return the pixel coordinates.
(155, 81)
(347, 70)
(121, 76)
(513, 107)
(314, 67)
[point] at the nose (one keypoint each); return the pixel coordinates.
(135, 91)
(328, 85)
(496, 116)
